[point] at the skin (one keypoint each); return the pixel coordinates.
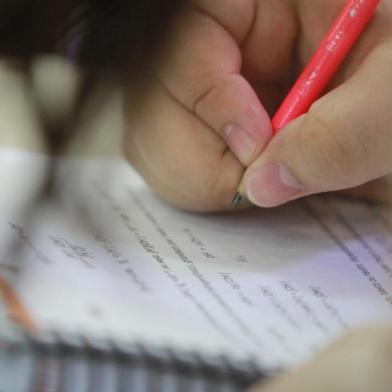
(229, 64)
(359, 362)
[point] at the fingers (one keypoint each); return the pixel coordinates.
(178, 155)
(203, 73)
(378, 191)
(360, 362)
(344, 141)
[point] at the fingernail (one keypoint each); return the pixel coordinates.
(272, 185)
(240, 142)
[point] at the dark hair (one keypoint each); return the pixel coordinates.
(111, 34)
(107, 38)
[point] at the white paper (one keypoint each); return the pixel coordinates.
(106, 258)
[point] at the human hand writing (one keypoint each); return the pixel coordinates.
(228, 65)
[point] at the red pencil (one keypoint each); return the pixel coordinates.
(334, 48)
(343, 34)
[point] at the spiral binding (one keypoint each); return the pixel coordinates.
(56, 362)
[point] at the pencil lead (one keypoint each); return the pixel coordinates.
(236, 200)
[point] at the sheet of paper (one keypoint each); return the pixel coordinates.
(106, 258)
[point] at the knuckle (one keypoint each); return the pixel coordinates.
(197, 85)
(202, 100)
(205, 96)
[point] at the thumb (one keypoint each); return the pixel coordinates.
(344, 141)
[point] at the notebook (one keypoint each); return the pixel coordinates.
(107, 288)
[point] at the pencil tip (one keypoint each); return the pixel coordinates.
(236, 200)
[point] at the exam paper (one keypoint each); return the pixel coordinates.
(106, 258)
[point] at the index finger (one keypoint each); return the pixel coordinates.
(203, 73)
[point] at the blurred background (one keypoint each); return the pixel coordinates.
(52, 92)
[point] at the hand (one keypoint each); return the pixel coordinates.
(360, 362)
(228, 65)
